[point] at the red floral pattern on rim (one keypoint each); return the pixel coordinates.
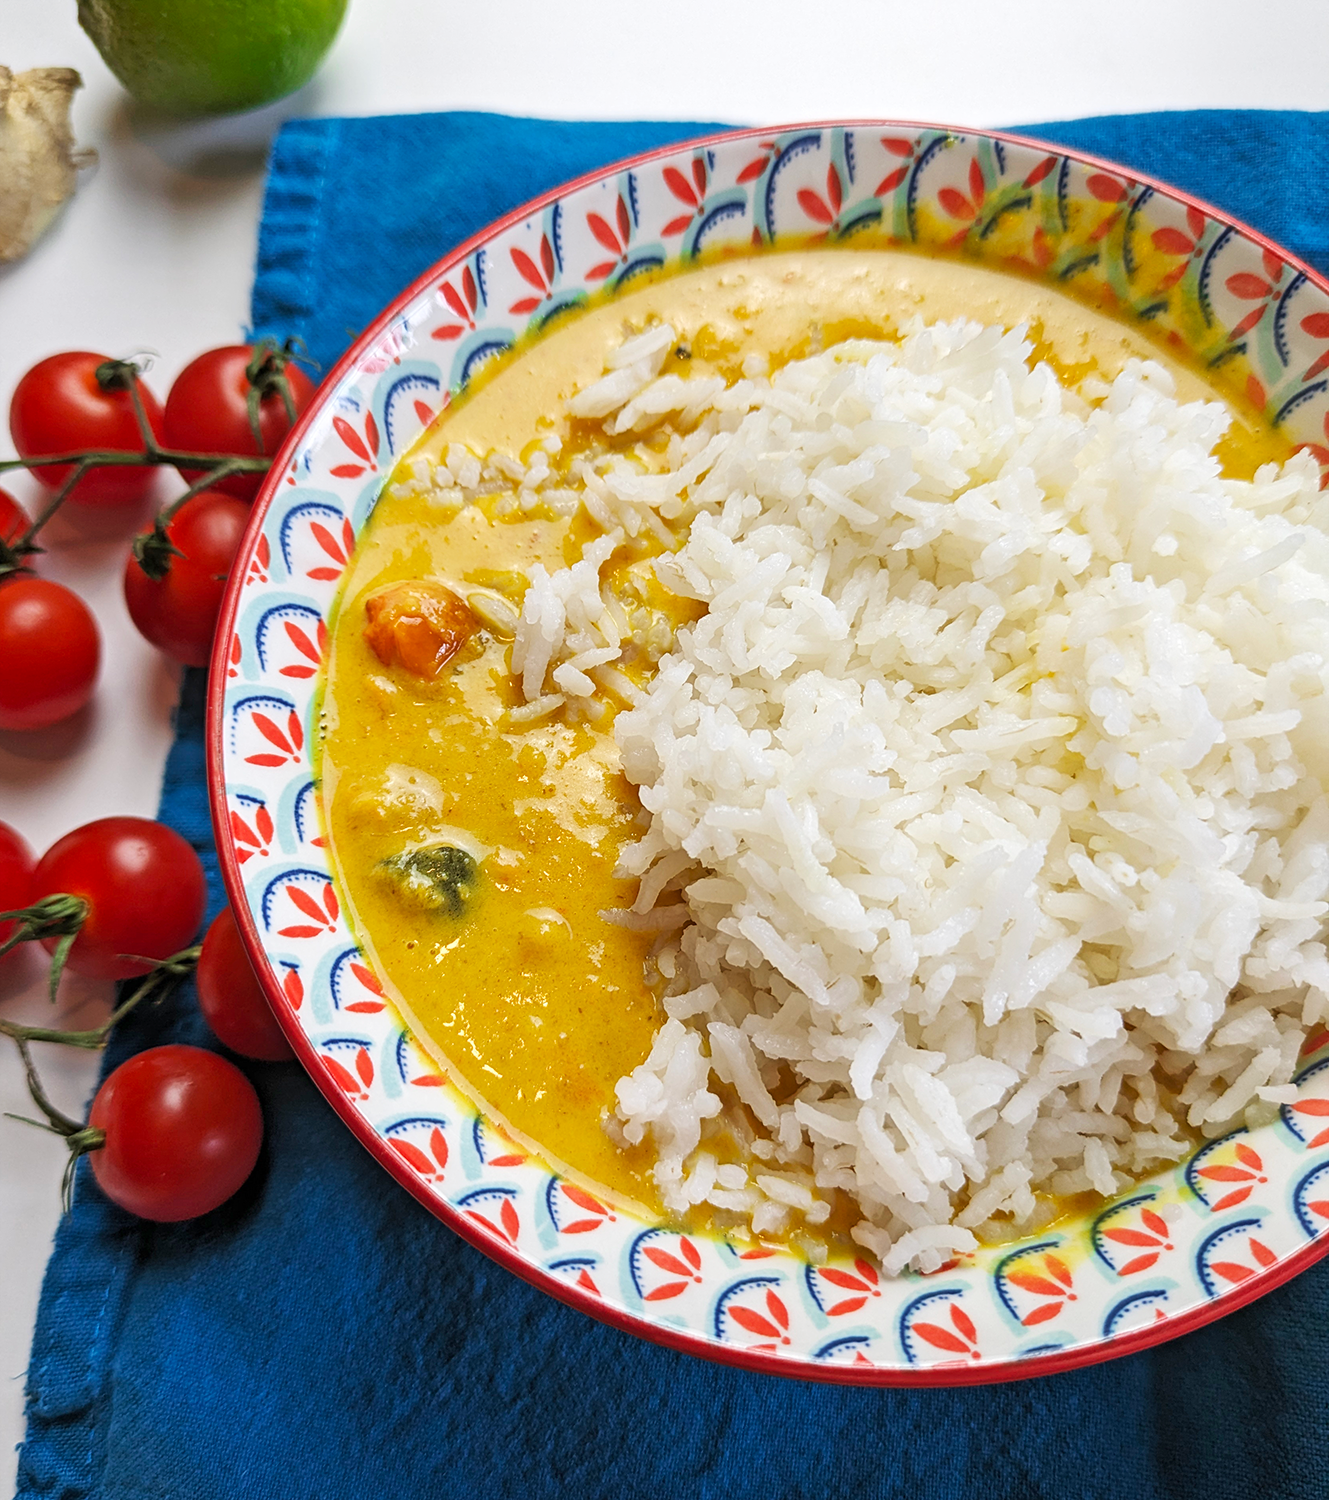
(365, 449)
(824, 211)
(1234, 1255)
(251, 827)
(1113, 191)
(905, 148)
(691, 194)
(615, 238)
(1235, 1178)
(574, 1210)
(350, 1067)
(423, 1145)
(495, 1212)
(855, 1288)
(313, 651)
(1173, 241)
(338, 548)
(541, 276)
(965, 207)
(1264, 290)
(1143, 1243)
(753, 1309)
(286, 737)
(670, 1272)
(463, 304)
(767, 152)
(1035, 1284)
(1314, 1112)
(960, 1338)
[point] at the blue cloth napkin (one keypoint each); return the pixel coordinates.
(321, 1337)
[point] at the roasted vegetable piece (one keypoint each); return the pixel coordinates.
(419, 626)
(441, 878)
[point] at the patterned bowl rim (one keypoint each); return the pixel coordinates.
(1076, 1356)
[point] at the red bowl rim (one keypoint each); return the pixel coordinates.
(1077, 1357)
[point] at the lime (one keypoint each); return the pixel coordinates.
(203, 57)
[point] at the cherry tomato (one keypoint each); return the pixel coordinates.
(144, 887)
(231, 998)
(13, 518)
(15, 874)
(59, 407)
(49, 652)
(207, 411)
(178, 613)
(183, 1131)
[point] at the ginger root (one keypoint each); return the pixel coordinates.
(38, 163)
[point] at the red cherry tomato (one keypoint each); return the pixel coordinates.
(207, 411)
(231, 998)
(144, 887)
(178, 613)
(59, 407)
(15, 874)
(49, 652)
(13, 518)
(183, 1131)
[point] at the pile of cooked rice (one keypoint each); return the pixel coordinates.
(987, 840)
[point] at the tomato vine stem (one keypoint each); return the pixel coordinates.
(153, 549)
(147, 456)
(216, 466)
(266, 374)
(165, 974)
(79, 1137)
(59, 916)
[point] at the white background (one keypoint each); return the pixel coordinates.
(156, 253)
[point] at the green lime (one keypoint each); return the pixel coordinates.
(204, 57)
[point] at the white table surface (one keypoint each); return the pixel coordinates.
(156, 252)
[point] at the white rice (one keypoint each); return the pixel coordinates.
(987, 799)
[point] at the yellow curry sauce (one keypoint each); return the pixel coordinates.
(532, 1001)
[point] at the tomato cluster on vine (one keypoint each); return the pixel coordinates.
(174, 1131)
(78, 421)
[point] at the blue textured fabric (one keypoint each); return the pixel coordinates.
(323, 1338)
(357, 209)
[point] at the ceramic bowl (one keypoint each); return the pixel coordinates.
(1241, 1215)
